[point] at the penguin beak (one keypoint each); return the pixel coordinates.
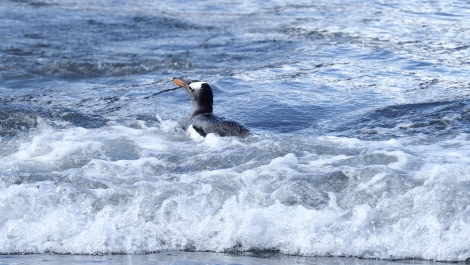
(185, 87)
(180, 83)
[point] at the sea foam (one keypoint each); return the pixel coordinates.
(136, 190)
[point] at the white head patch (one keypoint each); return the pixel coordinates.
(196, 85)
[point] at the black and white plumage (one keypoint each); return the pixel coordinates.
(202, 120)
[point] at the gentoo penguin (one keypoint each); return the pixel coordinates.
(202, 120)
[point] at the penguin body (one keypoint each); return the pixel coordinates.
(202, 120)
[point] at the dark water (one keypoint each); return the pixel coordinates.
(360, 112)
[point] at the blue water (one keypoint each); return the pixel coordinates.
(360, 114)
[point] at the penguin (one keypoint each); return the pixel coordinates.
(202, 120)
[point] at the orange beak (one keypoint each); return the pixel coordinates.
(180, 82)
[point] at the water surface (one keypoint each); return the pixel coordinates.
(359, 110)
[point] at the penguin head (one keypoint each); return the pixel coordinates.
(200, 94)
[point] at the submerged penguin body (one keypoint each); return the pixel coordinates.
(207, 123)
(202, 120)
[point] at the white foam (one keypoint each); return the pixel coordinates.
(168, 125)
(132, 190)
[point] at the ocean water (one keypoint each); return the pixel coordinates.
(360, 113)
(198, 258)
